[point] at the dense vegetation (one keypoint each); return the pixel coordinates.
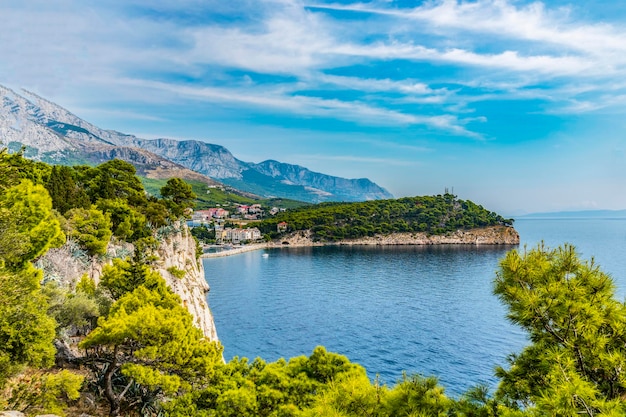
(141, 354)
(433, 215)
(95, 203)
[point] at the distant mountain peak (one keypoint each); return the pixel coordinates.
(53, 134)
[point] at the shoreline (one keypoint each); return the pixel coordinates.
(235, 251)
(488, 236)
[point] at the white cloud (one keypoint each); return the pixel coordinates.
(275, 99)
(290, 41)
(409, 87)
(507, 19)
(354, 159)
(520, 46)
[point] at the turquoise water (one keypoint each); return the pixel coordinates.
(427, 310)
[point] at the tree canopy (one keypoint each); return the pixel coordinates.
(430, 214)
(147, 339)
(28, 228)
(180, 194)
(576, 361)
(95, 199)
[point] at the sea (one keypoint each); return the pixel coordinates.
(396, 310)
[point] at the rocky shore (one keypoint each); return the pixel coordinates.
(492, 235)
(235, 251)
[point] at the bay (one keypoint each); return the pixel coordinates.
(427, 310)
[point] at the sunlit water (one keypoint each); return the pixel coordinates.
(427, 310)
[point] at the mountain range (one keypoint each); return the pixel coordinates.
(53, 134)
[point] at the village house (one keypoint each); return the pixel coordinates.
(276, 210)
(229, 235)
(254, 209)
(207, 216)
(242, 209)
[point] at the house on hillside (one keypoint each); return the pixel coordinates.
(207, 216)
(281, 227)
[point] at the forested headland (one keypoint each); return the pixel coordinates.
(140, 353)
(435, 215)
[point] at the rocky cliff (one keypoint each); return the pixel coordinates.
(177, 250)
(208, 159)
(493, 235)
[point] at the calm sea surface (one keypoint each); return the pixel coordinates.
(427, 310)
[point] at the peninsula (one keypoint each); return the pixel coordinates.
(426, 220)
(429, 220)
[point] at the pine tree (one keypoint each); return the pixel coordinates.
(147, 341)
(64, 191)
(179, 194)
(576, 361)
(91, 228)
(28, 229)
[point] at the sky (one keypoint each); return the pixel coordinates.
(518, 106)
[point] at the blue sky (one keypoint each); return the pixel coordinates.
(519, 106)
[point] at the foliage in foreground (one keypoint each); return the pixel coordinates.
(147, 340)
(576, 363)
(95, 203)
(146, 358)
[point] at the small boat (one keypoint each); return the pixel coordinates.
(266, 255)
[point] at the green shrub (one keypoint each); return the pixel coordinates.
(178, 273)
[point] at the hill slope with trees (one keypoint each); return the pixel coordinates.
(434, 215)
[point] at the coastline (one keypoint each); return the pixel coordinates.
(493, 235)
(235, 251)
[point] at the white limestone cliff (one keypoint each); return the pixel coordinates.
(177, 250)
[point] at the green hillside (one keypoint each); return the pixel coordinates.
(207, 197)
(431, 214)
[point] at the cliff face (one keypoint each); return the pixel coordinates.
(493, 235)
(178, 250)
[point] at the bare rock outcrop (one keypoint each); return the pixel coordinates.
(177, 254)
(492, 235)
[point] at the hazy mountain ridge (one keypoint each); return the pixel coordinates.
(299, 175)
(208, 159)
(55, 135)
(580, 214)
(295, 181)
